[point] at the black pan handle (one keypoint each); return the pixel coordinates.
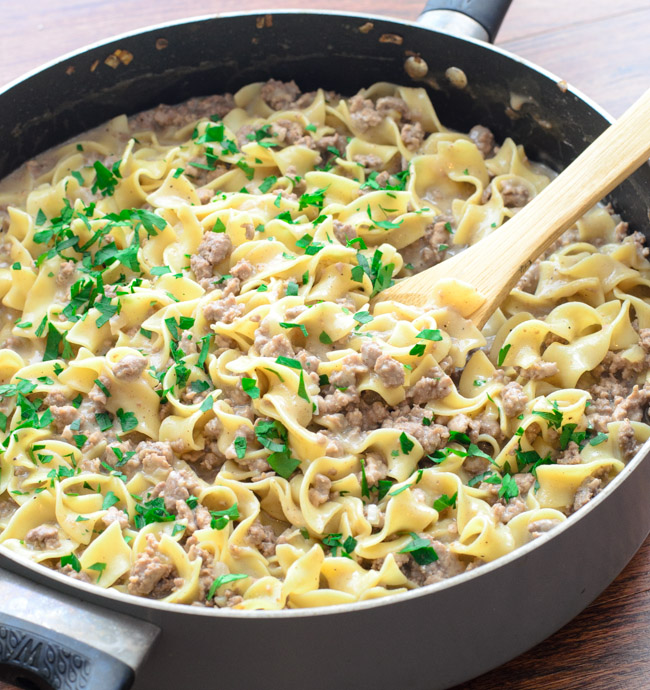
(52, 640)
(30, 654)
(487, 15)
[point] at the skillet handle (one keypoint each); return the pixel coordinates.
(52, 640)
(475, 18)
(30, 653)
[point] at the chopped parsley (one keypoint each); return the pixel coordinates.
(379, 274)
(72, 561)
(430, 334)
(250, 386)
(445, 502)
(224, 580)
(421, 550)
(334, 542)
(128, 420)
(405, 443)
(362, 317)
(302, 328)
(239, 445)
(274, 437)
(502, 354)
(289, 362)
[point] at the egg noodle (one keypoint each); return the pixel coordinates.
(198, 404)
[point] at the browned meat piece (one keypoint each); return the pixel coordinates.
(291, 133)
(515, 194)
(224, 310)
(207, 572)
(352, 367)
(644, 339)
(242, 270)
(447, 565)
(390, 371)
(586, 491)
(55, 398)
(243, 132)
(62, 415)
(130, 367)
(369, 161)
(430, 249)
(97, 396)
(278, 346)
(179, 486)
(490, 425)
(188, 347)
(504, 512)
(524, 482)
(69, 571)
(393, 106)
(204, 194)
(115, 515)
(294, 312)
(344, 232)
(151, 575)
(66, 273)
(184, 113)
(375, 468)
(484, 140)
(539, 527)
(639, 244)
(336, 401)
(528, 282)
(634, 406)
(364, 115)
(513, 399)
(466, 425)
(381, 180)
(263, 538)
(614, 364)
(154, 455)
(430, 437)
(280, 95)
(319, 493)
(474, 465)
(627, 441)
(370, 353)
(570, 456)
(199, 518)
(432, 387)
(232, 287)
(332, 141)
(604, 395)
(213, 429)
(367, 415)
(214, 248)
(412, 136)
(43, 537)
(539, 370)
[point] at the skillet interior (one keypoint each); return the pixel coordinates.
(329, 50)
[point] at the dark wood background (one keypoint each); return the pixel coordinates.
(600, 46)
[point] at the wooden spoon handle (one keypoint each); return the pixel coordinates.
(494, 265)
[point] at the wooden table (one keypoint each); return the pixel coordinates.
(597, 45)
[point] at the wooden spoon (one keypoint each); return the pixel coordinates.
(494, 265)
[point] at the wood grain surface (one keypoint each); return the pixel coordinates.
(599, 46)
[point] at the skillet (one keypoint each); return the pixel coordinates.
(74, 635)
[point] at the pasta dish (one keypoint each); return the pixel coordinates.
(198, 403)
